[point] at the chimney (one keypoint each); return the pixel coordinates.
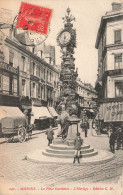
(116, 6)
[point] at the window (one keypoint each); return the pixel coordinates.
(117, 36)
(38, 71)
(33, 90)
(23, 87)
(119, 88)
(44, 74)
(33, 68)
(47, 75)
(33, 94)
(39, 91)
(23, 63)
(6, 84)
(14, 85)
(11, 56)
(118, 61)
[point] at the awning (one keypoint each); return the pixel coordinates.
(7, 111)
(52, 111)
(39, 112)
(113, 111)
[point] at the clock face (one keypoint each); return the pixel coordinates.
(65, 37)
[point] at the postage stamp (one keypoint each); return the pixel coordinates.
(34, 18)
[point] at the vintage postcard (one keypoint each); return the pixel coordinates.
(61, 97)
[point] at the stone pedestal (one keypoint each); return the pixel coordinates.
(73, 129)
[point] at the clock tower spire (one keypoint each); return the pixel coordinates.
(67, 41)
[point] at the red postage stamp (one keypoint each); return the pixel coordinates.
(34, 18)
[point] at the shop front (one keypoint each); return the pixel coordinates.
(111, 113)
(40, 117)
(9, 90)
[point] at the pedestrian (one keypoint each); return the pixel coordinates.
(119, 138)
(50, 135)
(85, 124)
(121, 135)
(112, 140)
(109, 129)
(77, 144)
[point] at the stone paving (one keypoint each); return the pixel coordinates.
(15, 170)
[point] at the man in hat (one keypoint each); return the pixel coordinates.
(77, 143)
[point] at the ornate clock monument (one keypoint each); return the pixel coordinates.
(62, 148)
(67, 41)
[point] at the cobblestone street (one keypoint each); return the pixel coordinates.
(15, 170)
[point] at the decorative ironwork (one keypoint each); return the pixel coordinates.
(69, 17)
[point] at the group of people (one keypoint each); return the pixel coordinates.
(116, 137)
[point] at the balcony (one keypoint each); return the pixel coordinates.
(113, 72)
(34, 78)
(49, 84)
(8, 68)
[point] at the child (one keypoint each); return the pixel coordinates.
(77, 143)
(50, 134)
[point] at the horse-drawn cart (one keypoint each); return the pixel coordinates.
(12, 127)
(13, 124)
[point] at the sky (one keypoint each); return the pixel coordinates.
(88, 15)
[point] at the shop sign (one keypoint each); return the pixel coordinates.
(113, 111)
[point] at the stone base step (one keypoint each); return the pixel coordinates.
(67, 151)
(86, 155)
(66, 147)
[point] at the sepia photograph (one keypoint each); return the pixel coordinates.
(61, 97)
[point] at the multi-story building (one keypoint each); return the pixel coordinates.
(109, 84)
(26, 77)
(86, 96)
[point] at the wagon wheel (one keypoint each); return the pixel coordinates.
(22, 134)
(9, 139)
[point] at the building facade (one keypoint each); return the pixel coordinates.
(26, 77)
(86, 96)
(109, 84)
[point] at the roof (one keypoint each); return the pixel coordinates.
(109, 17)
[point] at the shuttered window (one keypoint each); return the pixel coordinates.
(117, 36)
